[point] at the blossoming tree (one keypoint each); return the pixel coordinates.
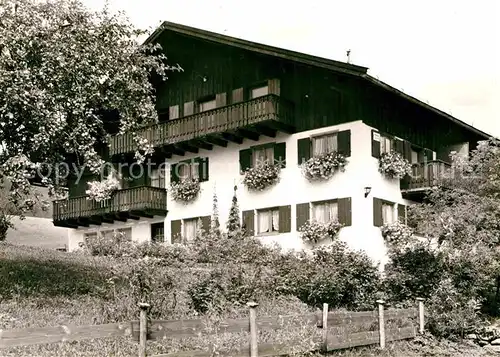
(63, 70)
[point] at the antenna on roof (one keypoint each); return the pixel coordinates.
(348, 53)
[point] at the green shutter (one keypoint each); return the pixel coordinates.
(401, 213)
(345, 211)
(285, 219)
(188, 108)
(399, 146)
(237, 96)
(245, 159)
(220, 100)
(248, 222)
(302, 212)
(203, 168)
(344, 142)
(303, 150)
(407, 150)
(175, 231)
(375, 144)
(206, 222)
(377, 212)
(174, 175)
(274, 86)
(429, 155)
(280, 154)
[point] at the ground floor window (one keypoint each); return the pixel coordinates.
(158, 232)
(190, 229)
(268, 220)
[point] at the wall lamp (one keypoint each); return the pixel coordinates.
(367, 191)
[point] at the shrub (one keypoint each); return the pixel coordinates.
(313, 232)
(5, 224)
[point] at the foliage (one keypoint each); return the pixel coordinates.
(323, 167)
(102, 190)
(185, 190)
(262, 176)
(394, 165)
(214, 219)
(233, 223)
(5, 224)
(65, 71)
(313, 231)
(397, 234)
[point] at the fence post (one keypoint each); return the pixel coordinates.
(325, 327)
(381, 323)
(421, 314)
(143, 328)
(254, 348)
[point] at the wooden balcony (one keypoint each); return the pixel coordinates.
(424, 177)
(130, 203)
(260, 116)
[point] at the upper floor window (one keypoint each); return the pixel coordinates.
(386, 145)
(190, 229)
(188, 170)
(261, 155)
(259, 92)
(324, 212)
(268, 220)
(158, 178)
(207, 105)
(324, 144)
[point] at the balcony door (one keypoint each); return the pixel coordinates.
(258, 107)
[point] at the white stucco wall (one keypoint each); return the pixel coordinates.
(293, 188)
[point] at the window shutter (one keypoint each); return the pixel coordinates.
(237, 95)
(302, 214)
(274, 86)
(303, 150)
(174, 177)
(344, 142)
(220, 100)
(399, 146)
(188, 108)
(248, 222)
(285, 220)
(206, 223)
(407, 150)
(402, 213)
(429, 155)
(175, 231)
(203, 168)
(280, 154)
(375, 144)
(377, 212)
(345, 211)
(173, 112)
(245, 160)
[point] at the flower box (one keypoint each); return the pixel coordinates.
(262, 176)
(323, 167)
(313, 232)
(394, 165)
(186, 190)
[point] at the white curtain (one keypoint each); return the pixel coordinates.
(260, 156)
(324, 144)
(276, 219)
(325, 212)
(385, 145)
(387, 213)
(190, 229)
(264, 218)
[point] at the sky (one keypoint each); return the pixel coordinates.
(444, 52)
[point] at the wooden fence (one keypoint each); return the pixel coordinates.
(144, 330)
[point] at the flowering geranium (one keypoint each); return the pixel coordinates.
(262, 176)
(323, 167)
(394, 165)
(102, 190)
(186, 190)
(313, 231)
(396, 234)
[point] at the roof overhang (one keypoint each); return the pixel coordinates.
(337, 66)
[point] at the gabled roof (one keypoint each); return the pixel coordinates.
(337, 66)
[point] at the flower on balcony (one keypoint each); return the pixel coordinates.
(262, 176)
(396, 234)
(185, 190)
(394, 165)
(323, 167)
(313, 231)
(102, 190)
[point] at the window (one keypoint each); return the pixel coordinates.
(188, 170)
(158, 178)
(190, 229)
(324, 144)
(207, 105)
(387, 213)
(385, 145)
(268, 220)
(324, 212)
(158, 232)
(259, 92)
(262, 155)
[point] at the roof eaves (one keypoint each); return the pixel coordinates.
(414, 100)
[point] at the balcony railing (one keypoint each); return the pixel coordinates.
(219, 120)
(137, 199)
(425, 175)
